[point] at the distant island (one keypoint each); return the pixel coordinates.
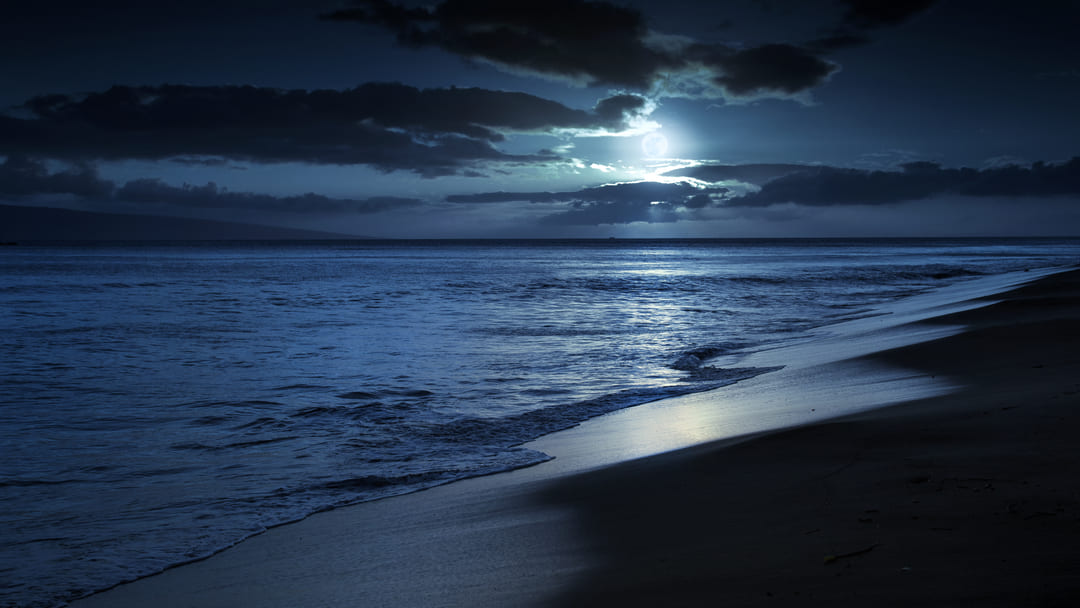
(19, 224)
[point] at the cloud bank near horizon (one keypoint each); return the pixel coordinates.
(709, 192)
(23, 180)
(723, 187)
(834, 186)
(621, 203)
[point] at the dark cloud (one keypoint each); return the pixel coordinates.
(677, 193)
(615, 109)
(588, 42)
(594, 43)
(837, 41)
(624, 212)
(203, 162)
(751, 173)
(862, 16)
(24, 178)
(827, 186)
(807, 185)
(867, 14)
(212, 197)
(755, 71)
(622, 203)
(389, 126)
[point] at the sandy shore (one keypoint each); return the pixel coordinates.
(966, 498)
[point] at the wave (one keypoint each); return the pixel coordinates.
(297, 387)
(711, 351)
(553, 331)
(520, 428)
(362, 395)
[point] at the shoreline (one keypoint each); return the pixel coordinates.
(962, 499)
(547, 536)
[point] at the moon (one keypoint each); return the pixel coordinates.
(654, 144)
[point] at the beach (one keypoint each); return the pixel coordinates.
(960, 491)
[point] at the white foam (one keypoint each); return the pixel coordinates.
(821, 380)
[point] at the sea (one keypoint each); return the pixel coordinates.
(160, 402)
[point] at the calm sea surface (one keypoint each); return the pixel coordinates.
(161, 402)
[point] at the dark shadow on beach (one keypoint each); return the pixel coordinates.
(965, 499)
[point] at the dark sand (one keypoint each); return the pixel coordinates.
(968, 499)
(972, 498)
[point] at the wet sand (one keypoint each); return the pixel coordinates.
(966, 498)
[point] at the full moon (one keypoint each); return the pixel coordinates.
(654, 145)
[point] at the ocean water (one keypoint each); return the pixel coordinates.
(160, 402)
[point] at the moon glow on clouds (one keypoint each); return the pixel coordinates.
(654, 144)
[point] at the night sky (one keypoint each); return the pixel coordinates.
(563, 118)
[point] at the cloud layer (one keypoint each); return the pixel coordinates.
(22, 178)
(863, 16)
(386, 125)
(622, 203)
(829, 186)
(595, 43)
(802, 185)
(705, 197)
(757, 173)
